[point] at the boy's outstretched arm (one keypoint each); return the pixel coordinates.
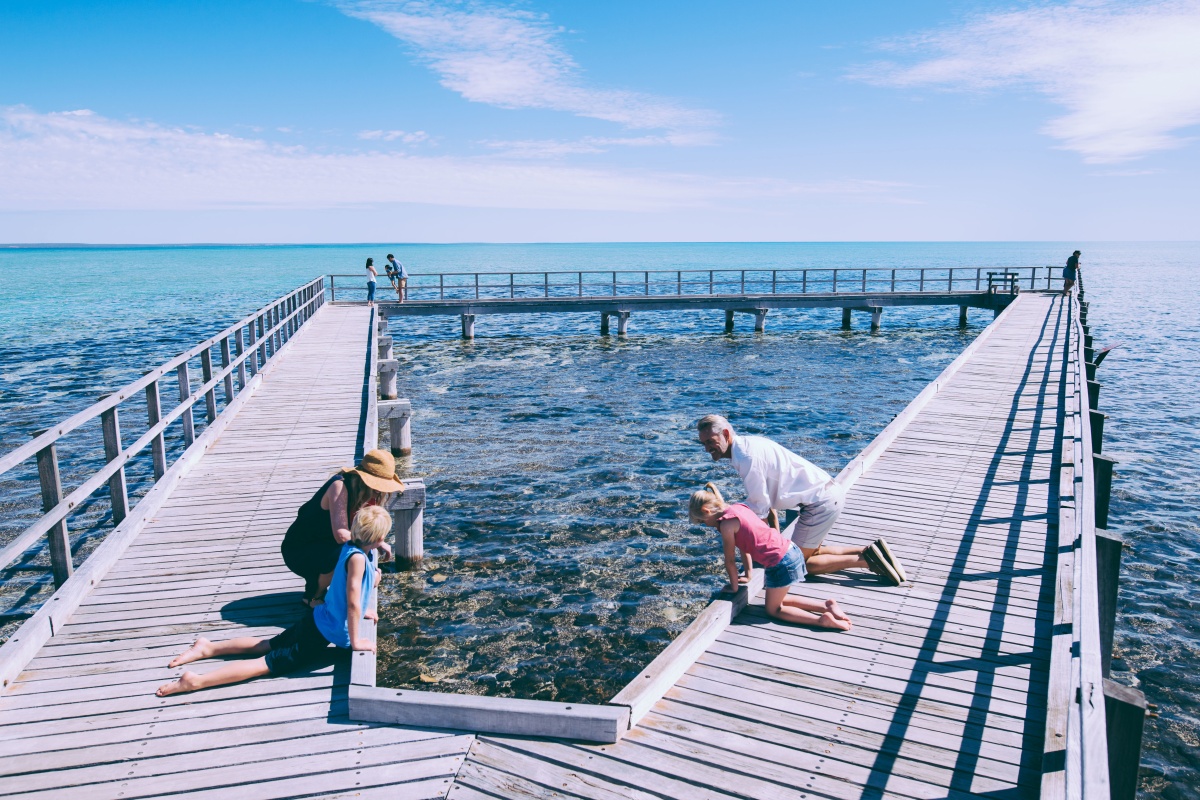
(354, 610)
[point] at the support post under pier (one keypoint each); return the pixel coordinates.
(876, 318)
(962, 316)
(398, 414)
(760, 320)
(845, 319)
(622, 322)
(387, 378)
(468, 326)
(729, 320)
(604, 323)
(408, 523)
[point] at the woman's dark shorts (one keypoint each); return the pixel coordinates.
(310, 561)
(297, 647)
(789, 570)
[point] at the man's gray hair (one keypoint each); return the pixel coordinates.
(714, 421)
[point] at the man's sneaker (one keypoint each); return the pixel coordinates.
(888, 556)
(880, 566)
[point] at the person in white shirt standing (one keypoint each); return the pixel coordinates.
(776, 478)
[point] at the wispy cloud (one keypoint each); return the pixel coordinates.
(512, 58)
(407, 137)
(81, 160)
(558, 148)
(1128, 74)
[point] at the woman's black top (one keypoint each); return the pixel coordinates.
(309, 548)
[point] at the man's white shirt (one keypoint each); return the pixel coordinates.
(774, 476)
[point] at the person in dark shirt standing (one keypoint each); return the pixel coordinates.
(1071, 272)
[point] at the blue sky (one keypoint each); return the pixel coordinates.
(297, 121)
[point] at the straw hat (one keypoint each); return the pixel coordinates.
(378, 471)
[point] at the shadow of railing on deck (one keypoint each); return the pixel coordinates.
(991, 657)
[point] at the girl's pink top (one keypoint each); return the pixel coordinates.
(764, 544)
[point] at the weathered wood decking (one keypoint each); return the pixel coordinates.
(82, 720)
(939, 691)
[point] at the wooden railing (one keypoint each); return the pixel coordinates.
(232, 362)
(682, 283)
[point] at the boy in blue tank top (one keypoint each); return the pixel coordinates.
(334, 622)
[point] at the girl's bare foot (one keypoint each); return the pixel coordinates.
(201, 649)
(833, 608)
(187, 682)
(828, 620)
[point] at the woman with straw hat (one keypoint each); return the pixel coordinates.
(314, 541)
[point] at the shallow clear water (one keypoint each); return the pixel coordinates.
(567, 455)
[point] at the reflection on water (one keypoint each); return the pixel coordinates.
(559, 560)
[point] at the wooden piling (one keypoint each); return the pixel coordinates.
(468, 326)
(729, 320)
(60, 544)
(1125, 718)
(398, 414)
(387, 378)
(876, 318)
(1097, 420)
(1108, 577)
(1090, 368)
(622, 322)
(962, 316)
(604, 323)
(1093, 390)
(845, 319)
(760, 320)
(408, 523)
(1102, 475)
(385, 347)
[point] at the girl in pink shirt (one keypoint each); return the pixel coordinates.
(781, 560)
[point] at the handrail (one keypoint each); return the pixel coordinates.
(626, 283)
(276, 323)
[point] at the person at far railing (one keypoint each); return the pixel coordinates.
(336, 622)
(781, 560)
(371, 276)
(398, 275)
(313, 543)
(776, 479)
(1071, 272)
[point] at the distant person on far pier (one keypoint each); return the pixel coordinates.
(398, 276)
(314, 540)
(1071, 272)
(371, 276)
(337, 622)
(777, 479)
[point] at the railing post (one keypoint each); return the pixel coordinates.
(332, 290)
(226, 359)
(117, 490)
(864, 280)
(743, 291)
(185, 389)
(239, 347)
(978, 277)
(773, 280)
(614, 283)
(950, 281)
(210, 397)
(678, 282)
(158, 447)
(922, 280)
(893, 280)
(646, 278)
(710, 281)
(260, 337)
(835, 272)
(60, 544)
(804, 282)
(579, 275)
(476, 285)
(441, 287)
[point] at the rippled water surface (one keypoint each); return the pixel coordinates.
(558, 562)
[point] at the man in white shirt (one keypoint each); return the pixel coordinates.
(776, 478)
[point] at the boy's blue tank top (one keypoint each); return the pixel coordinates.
(330, 616)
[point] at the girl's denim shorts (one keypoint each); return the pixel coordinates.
(789, 570)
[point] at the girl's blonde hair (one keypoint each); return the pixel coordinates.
(704, 502)
(358, 494)
(370, 526)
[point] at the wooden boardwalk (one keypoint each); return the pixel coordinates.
(939, 691)
(82, 720)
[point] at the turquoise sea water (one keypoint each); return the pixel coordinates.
(556, 459)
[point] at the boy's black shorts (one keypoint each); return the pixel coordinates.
(297, 647)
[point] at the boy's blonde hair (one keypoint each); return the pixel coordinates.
(370, 527)
(704, 502)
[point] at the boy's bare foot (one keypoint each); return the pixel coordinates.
(828, 620)
(833, 608)
(187, 682)
(201, 649)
